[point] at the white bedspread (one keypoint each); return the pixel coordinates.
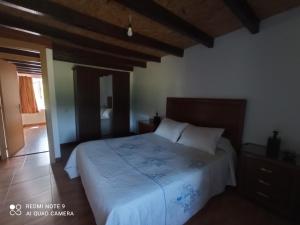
(147, 180)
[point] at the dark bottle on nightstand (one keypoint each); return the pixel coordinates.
(156, 119)
(273, 145)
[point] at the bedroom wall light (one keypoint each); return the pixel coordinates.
(129, 30)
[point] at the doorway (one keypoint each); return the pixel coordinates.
(33, 49)
(33, 114)
(23, 108)
(13, 49)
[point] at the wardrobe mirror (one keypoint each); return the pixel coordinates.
(106, 105)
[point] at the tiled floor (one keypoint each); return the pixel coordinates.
(31, 179)
(36, 140)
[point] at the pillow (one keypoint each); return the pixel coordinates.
(170, 129)
(202, 138)
(225, 145)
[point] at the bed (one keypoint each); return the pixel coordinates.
(146, 179)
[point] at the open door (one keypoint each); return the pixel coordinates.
(10, 99)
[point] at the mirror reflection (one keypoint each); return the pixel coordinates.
(106, 106)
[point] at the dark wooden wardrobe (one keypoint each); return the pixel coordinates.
(87, 102)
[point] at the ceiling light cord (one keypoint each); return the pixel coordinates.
(129, 29)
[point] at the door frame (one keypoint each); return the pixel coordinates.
(46, 59)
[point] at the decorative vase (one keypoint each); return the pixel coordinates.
(273, 145)
(156, 119)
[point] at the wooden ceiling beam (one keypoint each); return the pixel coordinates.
(37, 64)
(23, 36)
(7, 56)
(30, 73)
(72, 17)
(242, 10)
(28, 69)
(87, 59)
(19, 52)
(27, 65)
(12, 21)
(61, 52)
(21, 70)
(91, 62)
(60, 49)
(157, 13)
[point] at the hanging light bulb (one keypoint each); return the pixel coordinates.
(129, 30)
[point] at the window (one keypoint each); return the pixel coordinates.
(38, 92)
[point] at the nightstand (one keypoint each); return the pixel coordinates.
(146, 126)
(271, 182)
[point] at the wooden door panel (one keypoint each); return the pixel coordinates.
(121, 103)
(87, 103)
(11, 107)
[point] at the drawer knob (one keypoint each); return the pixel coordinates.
(265, 170)
(263, 182)
(262, 194)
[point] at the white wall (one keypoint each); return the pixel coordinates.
(263, 68)
(50, 103)
(64, 88)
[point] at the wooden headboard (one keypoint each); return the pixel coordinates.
(221, 113)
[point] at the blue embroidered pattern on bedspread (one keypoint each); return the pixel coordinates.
(187, 197)
(127, 149)
(157, 162)
(152, 161)
(149, 159)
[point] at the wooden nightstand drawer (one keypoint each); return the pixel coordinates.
(272, 182)
(268, 193)
(270, 197)
(268, 174)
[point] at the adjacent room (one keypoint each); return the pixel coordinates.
(33, 114)
(23, 107)
(149, 112)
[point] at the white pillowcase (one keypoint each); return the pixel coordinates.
(170, 129)
(225, 145)
(202, 138)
